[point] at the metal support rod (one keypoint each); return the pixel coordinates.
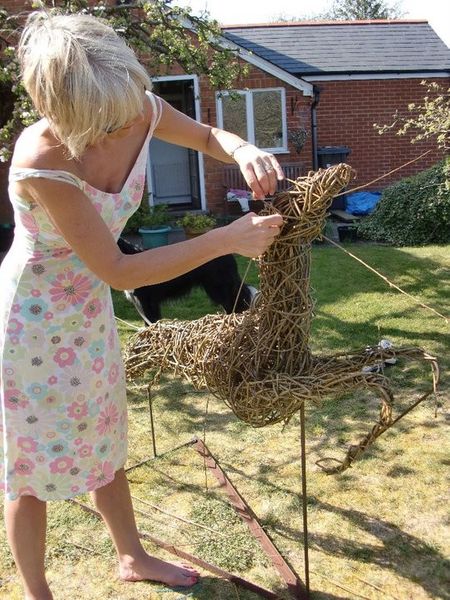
(297, 588)
(294, 584)
(147, 460)
(258, 589)
(304, 496)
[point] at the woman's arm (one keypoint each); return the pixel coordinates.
(84, 230)
(260, 169)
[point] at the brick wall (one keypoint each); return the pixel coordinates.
(345, 116)
(346, 113)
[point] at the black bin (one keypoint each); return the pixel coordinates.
(333, 155)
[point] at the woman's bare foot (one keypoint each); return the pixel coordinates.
(147, 567)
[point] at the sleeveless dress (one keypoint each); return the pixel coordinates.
(63, 414)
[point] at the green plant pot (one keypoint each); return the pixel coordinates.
(153, 238)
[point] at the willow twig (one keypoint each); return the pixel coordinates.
(174, 516)
(360, 187)
(339, 585)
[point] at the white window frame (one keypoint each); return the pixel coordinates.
(248, 93)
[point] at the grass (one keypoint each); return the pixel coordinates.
(376, 531)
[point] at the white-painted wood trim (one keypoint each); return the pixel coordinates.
(296, 82)
(369, 76)
(250, 120)
(201, 161)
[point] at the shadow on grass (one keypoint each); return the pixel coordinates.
(209, 587)
(404, 554)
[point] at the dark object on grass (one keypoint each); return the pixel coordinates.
(219, 278)
(347, 233)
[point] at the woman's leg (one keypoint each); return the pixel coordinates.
(113, 501)
(26, 522)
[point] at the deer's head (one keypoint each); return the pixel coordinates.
(305, 206)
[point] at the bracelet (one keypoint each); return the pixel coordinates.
(241, 145)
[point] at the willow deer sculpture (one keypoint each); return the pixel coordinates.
(259, 362)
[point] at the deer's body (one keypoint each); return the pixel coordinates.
(259, 362)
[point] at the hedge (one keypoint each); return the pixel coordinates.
(414, 211)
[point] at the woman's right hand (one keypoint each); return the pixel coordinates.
(251, 235)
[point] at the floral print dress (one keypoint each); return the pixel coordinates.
(63, 414)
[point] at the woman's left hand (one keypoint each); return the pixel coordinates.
(260, 169)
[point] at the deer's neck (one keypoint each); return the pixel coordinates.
(286, 306)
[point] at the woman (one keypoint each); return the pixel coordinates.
(76, 177)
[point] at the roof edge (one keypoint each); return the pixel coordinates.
(293, 80)
(318, 23)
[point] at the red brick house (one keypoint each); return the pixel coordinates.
(334, 80)
(329, 80)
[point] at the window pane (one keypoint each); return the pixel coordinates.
(268, 119)
(235, 115)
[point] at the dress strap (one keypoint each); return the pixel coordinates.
(20, 173)
(156, 103)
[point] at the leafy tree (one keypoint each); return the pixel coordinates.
(416, 210)
(349, 10)
(161, 34)
(428, 120)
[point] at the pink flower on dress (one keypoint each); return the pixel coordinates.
(24, 466)
(27, 444)
(98, 364)
(99, 475)
(85, 450)
(36, 293)
(92, 308)
(14, 398)
(52, 380)
(16, 308)
(113, 374)
(61, 464)
(14, 326)
(77, 410)
(74, 288)
(51, 400)
(64, 357)
(48, 316)
(107, 419)
(28, 221)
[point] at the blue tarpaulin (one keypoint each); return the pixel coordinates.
(361, 203)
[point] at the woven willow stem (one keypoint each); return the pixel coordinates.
(259, 363)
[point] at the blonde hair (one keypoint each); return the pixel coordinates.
(81, 76)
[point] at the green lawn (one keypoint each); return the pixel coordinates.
(376, 531)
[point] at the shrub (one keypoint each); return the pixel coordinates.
(197, 222)
(413, 212)
(151, 217)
